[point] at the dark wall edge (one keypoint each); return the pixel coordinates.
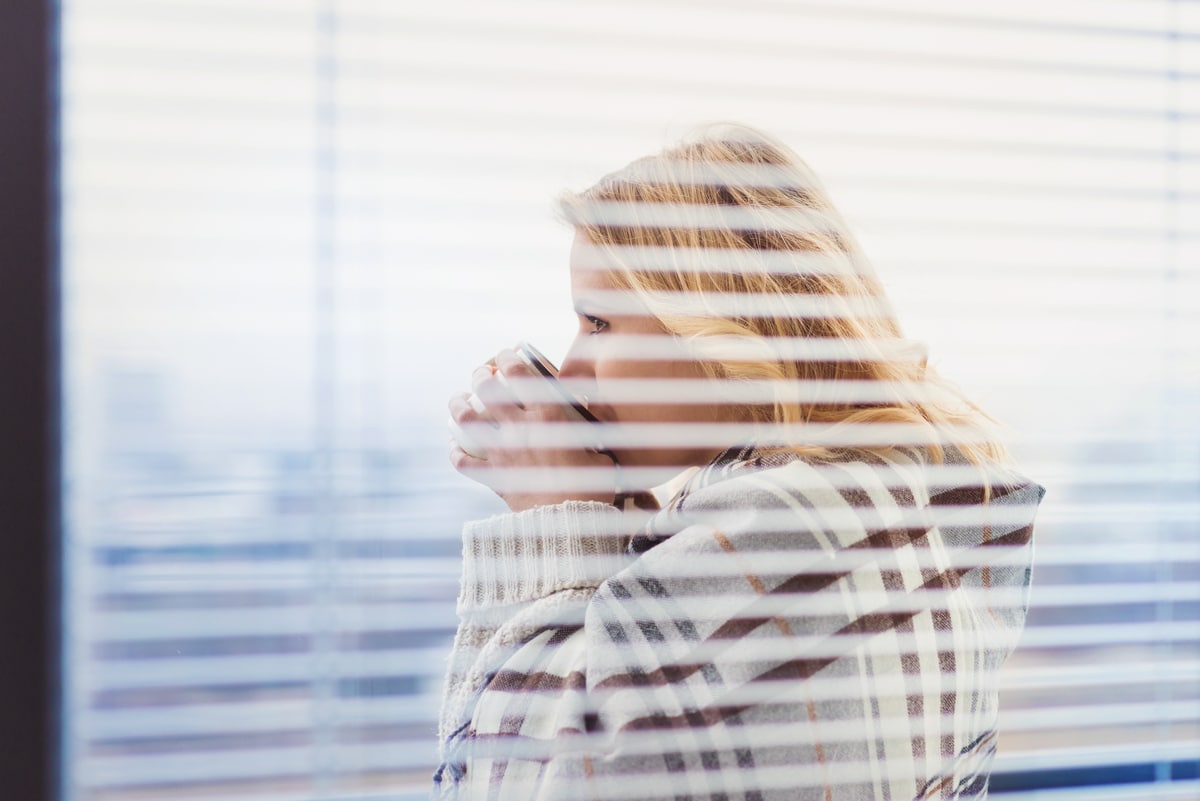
(30, 573)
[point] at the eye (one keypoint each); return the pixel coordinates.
(597, 324)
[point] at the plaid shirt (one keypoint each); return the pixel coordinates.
(786, 628)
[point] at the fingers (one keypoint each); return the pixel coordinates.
(464, 462)
(468, 408)
(470, 424)
(533, 390)
(512, 421)
(507, 386)
(495, 397)
(500, 418)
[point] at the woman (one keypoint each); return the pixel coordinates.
(788, 561)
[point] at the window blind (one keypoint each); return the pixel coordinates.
(290, 230)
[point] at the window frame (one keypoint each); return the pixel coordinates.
(30, 427)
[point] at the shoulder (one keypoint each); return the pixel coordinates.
(772, 490)
(782, 475)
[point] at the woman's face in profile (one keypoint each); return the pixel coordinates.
(599, 363)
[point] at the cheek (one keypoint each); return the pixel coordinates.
(656, 408)
(614, 371)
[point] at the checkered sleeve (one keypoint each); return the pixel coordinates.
(806, 631)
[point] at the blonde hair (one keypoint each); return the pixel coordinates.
(735, 214)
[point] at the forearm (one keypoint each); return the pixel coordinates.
(521, 570)
(515, 558)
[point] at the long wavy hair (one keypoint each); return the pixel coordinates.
(730, 239)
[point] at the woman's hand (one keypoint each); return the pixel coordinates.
(512, 418)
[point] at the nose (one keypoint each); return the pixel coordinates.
(577, 363)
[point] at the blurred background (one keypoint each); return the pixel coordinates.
(291, 228)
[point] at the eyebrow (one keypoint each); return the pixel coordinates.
(589, 307)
